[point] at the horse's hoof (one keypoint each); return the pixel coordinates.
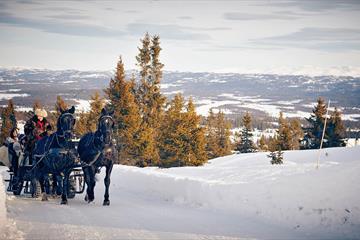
(86, 198)
(64, 202)
(106, 203)
(44, 198)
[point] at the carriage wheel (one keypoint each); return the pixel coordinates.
(35, 189)
(17, 187)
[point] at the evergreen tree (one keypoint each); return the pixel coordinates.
(60, 105)
(296, 133)
(262, 144)
(197, 135)
(218, 135)
(212, 147)
(182, 138)
(316, 121)
(336, 130)
(97, 103)
(81, 126)
(149, 98)
(284, 134)
(245, 144)
(8, 121)
(131, 146)
(37, 105)
(276, 157)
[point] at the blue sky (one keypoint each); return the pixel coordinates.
(218, 36)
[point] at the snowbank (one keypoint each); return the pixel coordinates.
(8, 228)
(318, 203)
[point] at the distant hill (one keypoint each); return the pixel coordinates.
(261, 94)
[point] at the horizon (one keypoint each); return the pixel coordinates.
(226, 37)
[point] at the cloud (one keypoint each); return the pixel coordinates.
(166, 31)
(240, 16)
(318, 5)
(325, 39)
(185, 17)
(73, 29)
(68, 17)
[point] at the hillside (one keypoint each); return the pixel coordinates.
(234, 93)
(239, 196)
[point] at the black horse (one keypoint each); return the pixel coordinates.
(57, 154)
(96, 150)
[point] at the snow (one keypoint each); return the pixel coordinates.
(7, 96)
(8, 229)
(82, 106)
(239, 196)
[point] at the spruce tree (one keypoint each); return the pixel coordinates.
(97, 103)
(149, 97)
(262, 144)
(182, 137)
(8, 120)
(218, 135)
(211, 136)
(316, 121)
(296, 133)
(37, 105)
(336, 130)
(60, 105)
(81, 125)
(120, 94)
(197, 135)
(284, 134)
(245, 144)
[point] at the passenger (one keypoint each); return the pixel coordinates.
(14, 149)
(42, 125)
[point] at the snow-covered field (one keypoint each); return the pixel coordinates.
(238, 196)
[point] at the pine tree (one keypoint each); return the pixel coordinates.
(97, 103)
(262, 144)
(276, 157)
(37, 105)
(316, 121)
(60, 105)
(8, 121)
(336, 130)
(122, 101)
(284, 134)
(182, 138)
(197, 135)
(296, 133)
(212, 147)
(245, 144)
(150, 100)
(218, 135)
(81, 126)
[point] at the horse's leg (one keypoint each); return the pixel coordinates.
(107, 183)
(44, 183)
(89, 174)
(65, 187)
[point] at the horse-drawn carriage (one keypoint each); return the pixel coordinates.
(58, 164)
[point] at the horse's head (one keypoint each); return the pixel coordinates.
(66, 122)
(30, 130)
(105, 126)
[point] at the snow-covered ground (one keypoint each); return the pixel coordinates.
(238, 196)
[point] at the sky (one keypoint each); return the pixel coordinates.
(212, 36)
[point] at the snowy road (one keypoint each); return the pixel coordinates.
(239, 196)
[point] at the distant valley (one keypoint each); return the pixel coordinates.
(262, 94)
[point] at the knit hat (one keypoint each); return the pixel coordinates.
(41, 113)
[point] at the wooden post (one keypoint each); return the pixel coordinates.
(323, 135)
